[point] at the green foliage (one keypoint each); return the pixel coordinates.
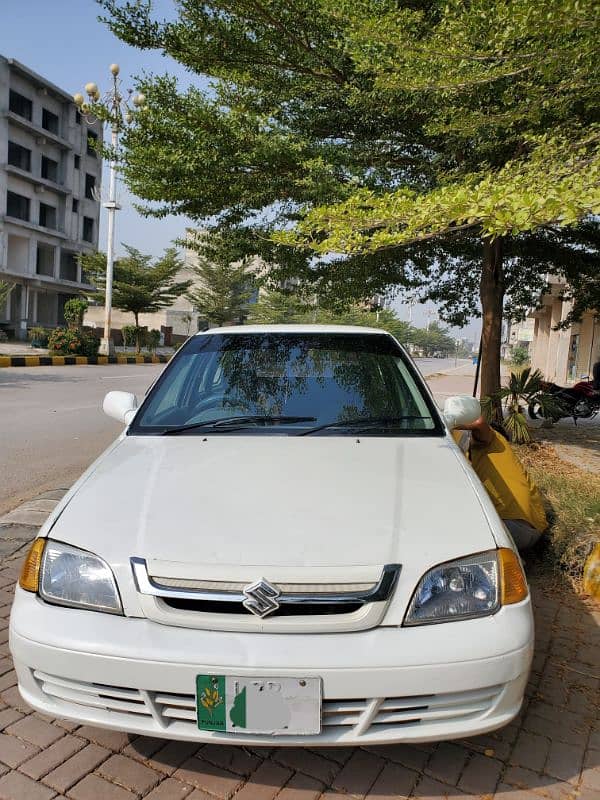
(72, 342)
(74, 311)
(38, 336)
(139, 284)
(130, 335)
(278, 307)
(224, 280)
(363, 144)
(152, 339)
(434, 340)
(519, 356)
(524, 388)
(6, 288)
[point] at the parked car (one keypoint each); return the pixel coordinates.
(212, 578)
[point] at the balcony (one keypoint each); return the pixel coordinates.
(42, 135)
(37, 180)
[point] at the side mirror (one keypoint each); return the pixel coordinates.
(461, 410)
(120, 406)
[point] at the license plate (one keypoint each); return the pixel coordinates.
(273, 706)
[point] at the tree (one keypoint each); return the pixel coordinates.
(74, 312)
(140, 286)
(225, 280)
(400, 135)
(279, 307)
(434, 339)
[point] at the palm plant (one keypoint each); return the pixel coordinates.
(523, 389)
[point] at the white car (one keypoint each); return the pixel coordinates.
(285, 546)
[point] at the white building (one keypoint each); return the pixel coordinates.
(49, 184)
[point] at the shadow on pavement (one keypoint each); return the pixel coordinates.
(15, 377)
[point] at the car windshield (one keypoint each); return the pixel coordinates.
(289, 384)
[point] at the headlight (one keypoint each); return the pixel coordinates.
(475, 586)
(72, 577)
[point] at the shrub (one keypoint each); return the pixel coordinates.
(89, 345)
(70, 342)
(129, 332)
(153, 339)
(38, 337)
(519, 356)
(74, 311)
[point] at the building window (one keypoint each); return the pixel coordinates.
(49, 169)
(19, 156)
(47, 216)
(20, 105)
(68, 266)
(92, 143)
(75, 205)
(76, 161)
(88, 229)
(44, 264)
(90, 185)
(77, 116)
(17, 206)
(49, 121)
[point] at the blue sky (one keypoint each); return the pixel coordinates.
(64, 42)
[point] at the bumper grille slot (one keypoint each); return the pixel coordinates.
(342, 717)
(94, 695)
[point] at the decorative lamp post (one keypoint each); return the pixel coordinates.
(114, 109)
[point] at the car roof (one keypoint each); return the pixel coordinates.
(243, 329)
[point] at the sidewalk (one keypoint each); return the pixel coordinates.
(551, 751)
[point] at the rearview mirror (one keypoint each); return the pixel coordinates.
(120, 406)
(461, 410)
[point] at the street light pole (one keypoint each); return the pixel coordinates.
(107, 347)
(114, 109)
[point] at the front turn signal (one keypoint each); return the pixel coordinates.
(512, 578)
(30, 573)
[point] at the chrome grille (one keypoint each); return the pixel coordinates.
(292, 599)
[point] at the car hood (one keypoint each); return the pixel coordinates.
(237, 504)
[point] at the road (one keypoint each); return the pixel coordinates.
(429, 366)
(53, 426)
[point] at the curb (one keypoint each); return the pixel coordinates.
(64, 361)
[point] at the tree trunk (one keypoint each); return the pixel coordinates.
(138, 344)
(491, 292)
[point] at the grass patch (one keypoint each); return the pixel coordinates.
(572, 498)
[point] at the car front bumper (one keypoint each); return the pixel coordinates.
(379, 686)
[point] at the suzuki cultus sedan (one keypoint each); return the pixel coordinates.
(284, 546)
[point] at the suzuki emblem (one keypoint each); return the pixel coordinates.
(261, 598)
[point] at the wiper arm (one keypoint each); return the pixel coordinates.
(363, 423)
(226, 422)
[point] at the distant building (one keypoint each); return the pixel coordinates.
(563, 356)
(49, 188)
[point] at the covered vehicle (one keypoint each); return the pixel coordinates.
(284, 546)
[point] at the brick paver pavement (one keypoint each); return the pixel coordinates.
(551, 751)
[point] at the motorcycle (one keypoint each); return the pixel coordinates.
(581, 401)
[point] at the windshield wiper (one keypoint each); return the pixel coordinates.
(226, 422)
(362, 424)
